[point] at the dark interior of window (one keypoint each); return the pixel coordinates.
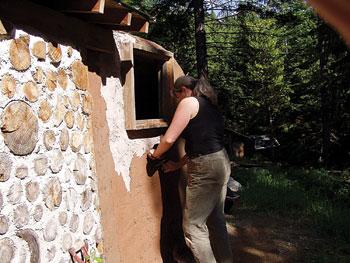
(147, 86)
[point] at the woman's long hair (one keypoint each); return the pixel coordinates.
(203, 88)
(199, 87)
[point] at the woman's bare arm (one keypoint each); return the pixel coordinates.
(185, 111)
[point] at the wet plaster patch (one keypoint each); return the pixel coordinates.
(123, 149)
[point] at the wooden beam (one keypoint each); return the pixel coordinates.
(74, 6)
(55, 26)
(167, 102)
(126, 52)
(3, 30)
(78, 6)
(127, 72)
(151, 123)
(118, 17)
(99, 6)
(109, 13)
(139, 24)
(114, 13)
(6, 30)
(111, 16)
(145, 27)
(151, 48)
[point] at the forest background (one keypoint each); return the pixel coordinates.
(281, 71)
(278, 69)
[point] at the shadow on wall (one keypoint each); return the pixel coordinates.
(172, 243)
(105, 65)
(171, 240)
(95, 44)
(145, 133)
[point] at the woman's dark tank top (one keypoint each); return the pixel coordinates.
(204, 133)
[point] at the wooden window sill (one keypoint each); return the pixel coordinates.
(150, 123)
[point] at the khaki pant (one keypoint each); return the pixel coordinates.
(204, 219)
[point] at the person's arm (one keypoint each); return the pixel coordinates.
(186, 109)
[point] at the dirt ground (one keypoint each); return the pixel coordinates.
(257, 238)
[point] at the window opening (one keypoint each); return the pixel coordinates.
(147, 79)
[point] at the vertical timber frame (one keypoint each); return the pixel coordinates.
(127, 60)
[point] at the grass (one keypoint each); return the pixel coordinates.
(313, 196)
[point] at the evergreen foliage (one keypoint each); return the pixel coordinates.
(278, 70)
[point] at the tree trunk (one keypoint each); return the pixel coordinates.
(324, 94)
(201, 43)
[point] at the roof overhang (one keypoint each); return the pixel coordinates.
(110, 14)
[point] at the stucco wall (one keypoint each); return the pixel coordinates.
(131, 205)
(47, 180)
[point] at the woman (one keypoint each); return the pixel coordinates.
(200, 123)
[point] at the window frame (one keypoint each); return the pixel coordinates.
(165, 79)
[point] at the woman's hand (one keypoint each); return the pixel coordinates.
(150, 154)
(171, 166)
